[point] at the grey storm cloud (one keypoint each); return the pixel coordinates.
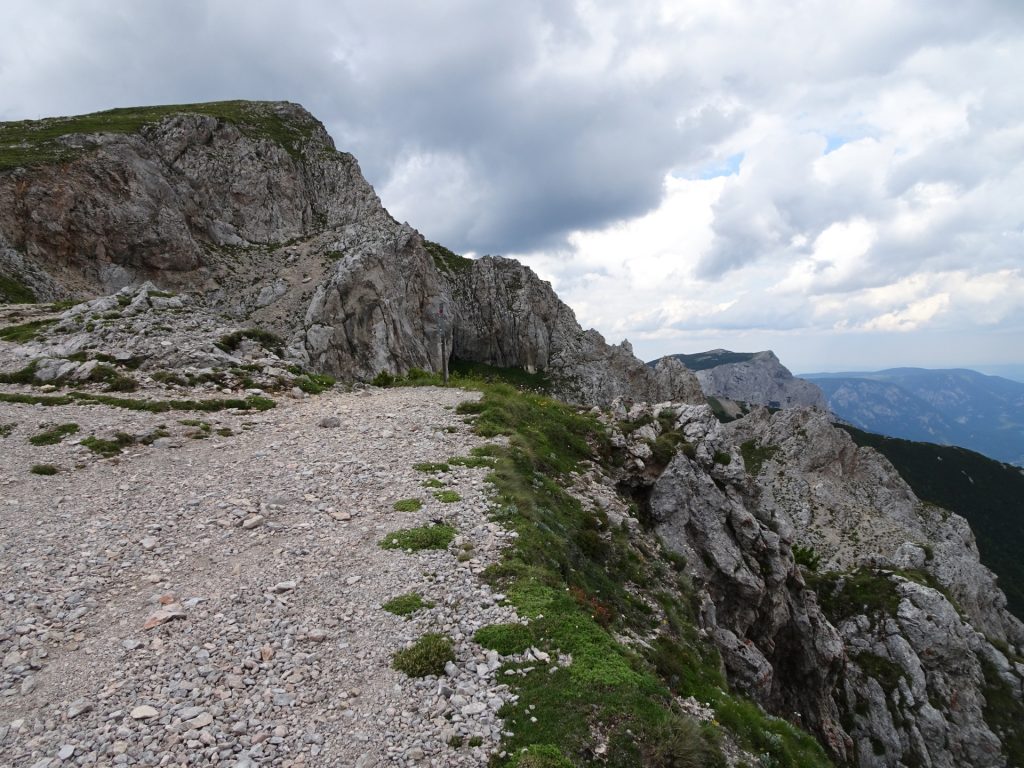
(528, 128)
(545, 149)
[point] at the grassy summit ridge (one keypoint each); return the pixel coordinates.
(40, 142)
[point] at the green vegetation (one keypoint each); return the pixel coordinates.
(433, 482)
(115, 381)
(6, 429)
(311, 383)
(37, 142)
(445, 260)
(43, 469)
(506, 639)
(517, 377)
(424, 537)
(153, 406)
(754, 456)
(431, 466)
(723, 458)
(266, 339)
(473, 461)
(807, 557)
(26, 332)
(867, 591)
(53, 435)
(887, 672)
(108, 448)
(14, 292)
(986, 492)
(581, 583)
(427, 657)
(25, 376)
(447, 497)
(701, 361)
(406, 605)
(408, 505)
(628, 427)
(1003, 713)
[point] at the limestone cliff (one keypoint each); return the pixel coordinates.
(507, 316)
(249, 206)
(756, 378)
(888, 638)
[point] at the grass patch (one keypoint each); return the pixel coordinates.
(14, 292)
(406, 605)
(446, 260)
(26, 332)
(254, 403)
(433, 482)
(1003, 713)
(517, 377)
(232, 341)
(807, 557)
(408, 505)
(447, 497)
(424, 537)
(25, 376)
(38, 142)
(53, 435)
(885, 671)
(108, 448)
(169, 377)
(6, 429)
(43, 469)
(115, 380)
(427, 656)
(506, 639)
(866, 591)
(431, 466)
(755, 456)
(473, 462)
(311, 383)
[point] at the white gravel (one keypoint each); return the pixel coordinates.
(260, 549)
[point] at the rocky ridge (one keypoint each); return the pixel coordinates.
(248, 207)
(758, 379)
(889, 634)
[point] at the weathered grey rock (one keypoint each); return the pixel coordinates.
(509, 317)
(760, 380)
(902, 684)
(379, 311)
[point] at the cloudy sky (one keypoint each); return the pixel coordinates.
(841, 182)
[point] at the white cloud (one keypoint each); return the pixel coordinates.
(746, 173)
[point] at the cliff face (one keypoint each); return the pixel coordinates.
(250, 206)
(758, 379)
(889, 638)
(507, 316)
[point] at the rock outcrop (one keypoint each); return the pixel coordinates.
(507, 316)
(250, 208)
(758, 379)
(887, 639)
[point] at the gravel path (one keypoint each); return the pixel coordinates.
(261, 548)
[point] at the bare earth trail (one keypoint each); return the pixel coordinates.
(267, 541)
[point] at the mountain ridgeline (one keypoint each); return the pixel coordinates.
(749, 377)
(680, 576)
(952, 407)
